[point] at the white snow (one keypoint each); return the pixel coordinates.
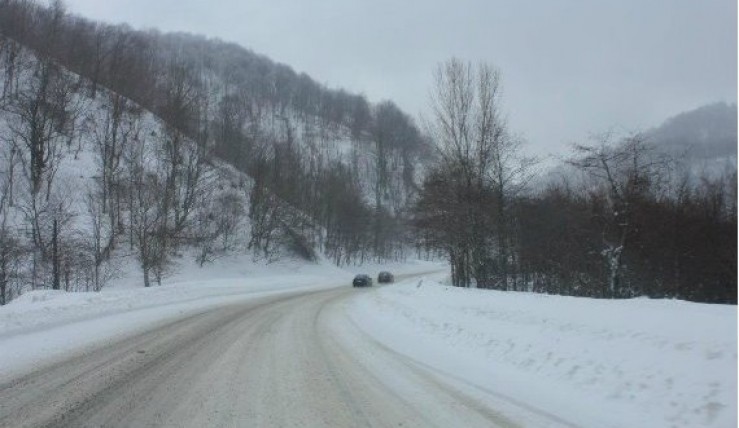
(43, 326)
(605, 363)
(539, 360)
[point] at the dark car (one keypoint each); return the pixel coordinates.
(362, 280)
(385, 277)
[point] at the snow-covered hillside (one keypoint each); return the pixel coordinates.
(235, 154)
(273, 103)
(68, 159)
(604, 363)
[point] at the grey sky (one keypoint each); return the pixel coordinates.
(570, 67)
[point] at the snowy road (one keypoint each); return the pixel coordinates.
(290, 360)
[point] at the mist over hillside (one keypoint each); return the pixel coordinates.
(707, 132)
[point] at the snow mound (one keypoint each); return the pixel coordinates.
(39, 296)
(229, 278)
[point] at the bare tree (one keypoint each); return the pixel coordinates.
(184, 157)
(111, 133)
(100, 236)
(473, 143)
(41, 121)
(11, 247)
(217, 223)
(148, 210)
(265, 216)
(627, 169)
(13, 59)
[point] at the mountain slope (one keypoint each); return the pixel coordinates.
(83, 188)
(707, 132)
(122, 141)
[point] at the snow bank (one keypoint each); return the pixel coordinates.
(637, 362)
(43, 326)
(230, 278)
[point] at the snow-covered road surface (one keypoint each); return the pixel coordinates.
(294, 345)
(288, 360)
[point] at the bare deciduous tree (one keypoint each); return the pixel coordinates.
(11, 247)
(627, 169)
(148, 211)
(476, 149)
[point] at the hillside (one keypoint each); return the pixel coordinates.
(130, 143)
(84, 187)
(239, 101)
(708, 132)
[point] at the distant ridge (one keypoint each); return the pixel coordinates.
(707, 132)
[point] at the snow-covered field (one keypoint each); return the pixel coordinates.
(625, 363)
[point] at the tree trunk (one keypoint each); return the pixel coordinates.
(55, 257)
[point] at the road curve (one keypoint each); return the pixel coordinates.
(277, 361)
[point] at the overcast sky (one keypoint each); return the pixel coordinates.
(569, 67)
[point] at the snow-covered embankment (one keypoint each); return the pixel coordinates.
(617, 363)
(44, 326)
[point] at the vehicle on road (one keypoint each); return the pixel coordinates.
(385, 277)
(362, 280)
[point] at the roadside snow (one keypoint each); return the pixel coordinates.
(639, 362)
(410, 267)
(41, 309)
(43, 326)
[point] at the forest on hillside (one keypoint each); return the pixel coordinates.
(198, 144)
(327, 171)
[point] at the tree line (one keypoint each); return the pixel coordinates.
(624, 220)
